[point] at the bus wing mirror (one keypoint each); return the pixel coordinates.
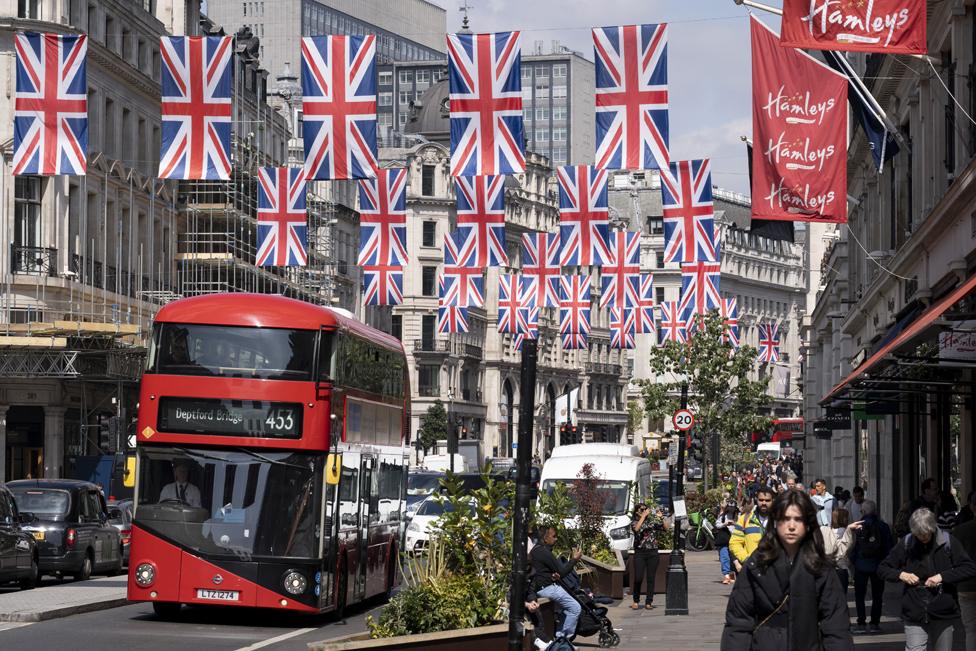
(333, 469)
(129, 474)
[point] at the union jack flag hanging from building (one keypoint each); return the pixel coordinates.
(540, 261)
(730, 321)
(485, 77)
(689, 219)
(631, 96)
(196, 107)
(645, 306)
(574, 304)
(532, 324)
(700, 287)
(383, 218)
(622, 328)
(339, 106)
(620, 278)
(382, 284)
(673, 326)
(463, 284)
(768, 343)
(51, 104)
(584, 216)
(452, 318)
(481, 211)
(282, 222)
(513, 313)
(574, 341)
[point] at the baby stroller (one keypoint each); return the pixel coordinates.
(593, 618)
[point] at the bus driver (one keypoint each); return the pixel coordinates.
(180, 489)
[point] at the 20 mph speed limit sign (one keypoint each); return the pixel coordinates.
(683, 420)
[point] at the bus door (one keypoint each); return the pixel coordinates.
(365, 500)
(329, 541)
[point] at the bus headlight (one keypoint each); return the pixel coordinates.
(145, 575)
(295, 582)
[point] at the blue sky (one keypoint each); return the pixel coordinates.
(708, 62)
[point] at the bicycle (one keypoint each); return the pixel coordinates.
(701, 534)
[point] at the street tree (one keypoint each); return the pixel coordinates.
(635, 418)
(433, 426)
(721, 394)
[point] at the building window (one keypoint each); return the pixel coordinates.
(542, 92)
(541, 135)
(558, 91)
(559, 70)
(657, 260)
(386, 99)
(27, 9)
(429, 376)
(558, 112)
(406, 76)
(659, 295)
(405, 97)
(402, 119)
(429, 281)
(386, 78)
(541, 71)
(655, 225)
(27, 211)
(542, 113)
(427, 181)
(396, 326)
(559, 135)
(430, 234)
(423, 76)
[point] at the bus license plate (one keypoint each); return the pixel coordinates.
(38, 535)
(218, 595)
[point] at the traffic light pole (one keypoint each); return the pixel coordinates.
(520, 526)
(677, 589)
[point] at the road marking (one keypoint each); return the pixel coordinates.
(7, 626)
(279, 638)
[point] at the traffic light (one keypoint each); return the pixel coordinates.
(695, 447)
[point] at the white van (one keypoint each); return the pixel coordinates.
(595, 450)
(442, 463)
(772, 450)
(617, 475)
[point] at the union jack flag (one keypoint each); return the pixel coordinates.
(700, 287)
(532, 324)
(382, 284)
(339, 106)
(631, 96)
(484, 73)
(282, 222)
(51, 104)
(645, 306)
(584, 216)
(730, 321)
(689, 219)
(540, 261)
(383, 218)
(673, 326)
(620, 278)
(622, 328)
(513, 313)
(463, 284)
(768, 343)
(481, 211)
(196, 107)
(452, 318)
(574, 341)
(574, 304)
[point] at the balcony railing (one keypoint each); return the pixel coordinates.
(34, 260)
(471, 395)
(427, 391)
(431, 346)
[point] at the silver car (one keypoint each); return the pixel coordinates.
(120, 517)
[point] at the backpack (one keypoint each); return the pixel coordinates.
(870, 545)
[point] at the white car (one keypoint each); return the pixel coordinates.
(425, 521)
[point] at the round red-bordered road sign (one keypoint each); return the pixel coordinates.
(683, 420)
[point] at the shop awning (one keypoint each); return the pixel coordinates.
(917, 327)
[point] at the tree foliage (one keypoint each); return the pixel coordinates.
(635, 418)
(720, 393)
(433, 426)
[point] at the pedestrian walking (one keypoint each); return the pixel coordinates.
(854, 506)
(965, 533)
(838, 540)
(647, 526)
(788, 597)
(824, 502)
(723, 535)
(749, 528)
(547, 572)
(872, 544)
(928, 563)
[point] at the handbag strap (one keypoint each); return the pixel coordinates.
(770, 615)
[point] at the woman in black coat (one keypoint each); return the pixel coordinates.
(788, 596)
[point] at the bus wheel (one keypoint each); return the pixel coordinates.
(340, 611)
(166, 609)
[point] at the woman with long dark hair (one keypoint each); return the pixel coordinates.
(788, 596)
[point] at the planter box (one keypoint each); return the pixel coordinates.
(660, 576)
(606, 579)
(484, 638)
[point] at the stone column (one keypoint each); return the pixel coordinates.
(53, 441)
(3, 442)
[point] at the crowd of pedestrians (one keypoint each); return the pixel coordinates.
(793, 552)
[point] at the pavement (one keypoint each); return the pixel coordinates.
(51, 599)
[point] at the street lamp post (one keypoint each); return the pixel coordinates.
(677, 590)
(451, 429)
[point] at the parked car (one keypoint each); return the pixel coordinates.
(693, 472)
(429, 512)
(70, 525)
(120, 516)
(18, 550)
(420, 485)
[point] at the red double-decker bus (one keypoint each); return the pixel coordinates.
(271, 457)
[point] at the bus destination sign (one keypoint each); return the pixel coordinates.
(251, 418)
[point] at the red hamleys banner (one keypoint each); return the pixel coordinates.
(888, 26)
(799, 128)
